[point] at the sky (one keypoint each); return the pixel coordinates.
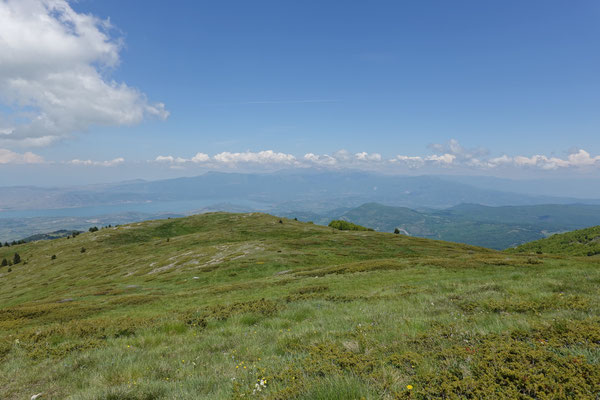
(106, 90)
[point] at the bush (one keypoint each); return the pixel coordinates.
(4, 262)
(93, 229)
(396, 231)
(347, 226)
(83, 249)
(16, 258)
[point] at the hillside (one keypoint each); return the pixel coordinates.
(583, 242)
(222, 306)
(492, 227)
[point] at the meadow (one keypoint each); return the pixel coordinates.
(230, 306)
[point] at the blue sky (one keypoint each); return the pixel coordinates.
(482, 80)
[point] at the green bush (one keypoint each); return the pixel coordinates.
(347, 226)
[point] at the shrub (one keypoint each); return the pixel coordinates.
(347, 226)
(396, 231)
(4, 262)
(83, 249)
(16, 258)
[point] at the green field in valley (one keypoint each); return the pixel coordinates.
(229, 306)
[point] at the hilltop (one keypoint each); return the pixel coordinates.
(583, 242)
(225, 306)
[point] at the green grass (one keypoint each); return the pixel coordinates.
(207, 306)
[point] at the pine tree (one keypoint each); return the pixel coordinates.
(16, 258)
(4, 262)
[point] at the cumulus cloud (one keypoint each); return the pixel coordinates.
(53, 74)
(261, 157)
(265, 157)
(10, 157)
(448, 156)
(582, 158)
(442, 159)
(364, 156)
(323, 159)
(200, 158)
(454, 153)
(412, 162)
(107, 163)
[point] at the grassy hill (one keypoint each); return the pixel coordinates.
(493, 227)
(583, 242)
(223, 306)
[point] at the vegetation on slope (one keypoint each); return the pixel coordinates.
(583, 242)
(225, 306)
(347, 226)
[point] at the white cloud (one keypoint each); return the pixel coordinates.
(454, 153)
(364, 156)
(452, 156)
(266, 157)
(541, 161)
(322, 160)
(200, 158)
(107, 163)
(409, 161)
(53, 66)
(261, 157)
(502, 160)
(10, 157)
(442, 159)
(169, 159)
(582, 158)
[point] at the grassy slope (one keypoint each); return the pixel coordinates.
(583, 242)
(203, 307)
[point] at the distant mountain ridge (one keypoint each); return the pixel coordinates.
(492, 227)
(310, 191)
